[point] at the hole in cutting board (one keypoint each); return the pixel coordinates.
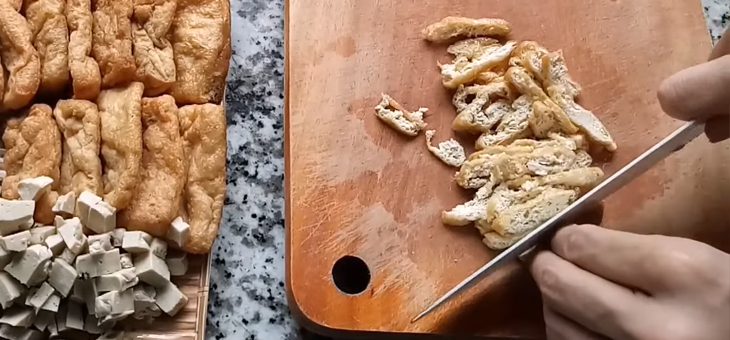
(351, 275)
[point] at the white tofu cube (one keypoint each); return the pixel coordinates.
(15, 215)
(5, 257)
(89, 266)
(91, 324)
(177, 263)
(73, 235)
(126, 261)
(43, 319)
(121, 280)
(18, 316)
(158, 247)
(74, 316)
(114, 302)
(20, 333)
(58, 221)
(52, 304)
(144, 302)
(83, 205)
(100, 243)
(102, 217)
(29, 267)
(170, 299)
(151, 269)
(33, 188)
(136, 241)
(55, 244)
(67, 255)
(62, 276)
(85, 292)
(10, 290)
(118, 237)
(179, 232)
(65, 204)
(38, 235)
(16, 242)
(40, 296)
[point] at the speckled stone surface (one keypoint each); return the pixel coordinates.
(247, 297)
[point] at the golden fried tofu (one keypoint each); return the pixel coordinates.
(201, 41)
(203, 129)
(555, 73)
(19, 57)
(514, 125)
(80, 126)
(85, 74)
(16, 4)
(453, 27)
(458, 73)
(522, 218)
(50, 37)
(400, 119)
(112, 41)
(162, 172)
(450, 151)
(121, 142)
(152, 48)
(33, 149)
(530, 55)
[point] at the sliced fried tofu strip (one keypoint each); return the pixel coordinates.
(554, 72)
(514, 125)
(455, 74)
(453, 27)
(450, 152)
(400, 119)
(522, 218)
(469, 212)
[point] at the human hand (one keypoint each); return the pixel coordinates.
(599, 283)
(702, 92)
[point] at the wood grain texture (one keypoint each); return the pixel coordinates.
(355, 187)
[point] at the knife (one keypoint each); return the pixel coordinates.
(641, 164)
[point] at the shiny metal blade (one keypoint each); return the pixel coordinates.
(641, 164)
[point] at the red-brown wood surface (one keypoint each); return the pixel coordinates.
(355, 187)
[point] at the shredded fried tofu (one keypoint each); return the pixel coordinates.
(452, 27)
(454, 75)
(450, 152)
(393, 114)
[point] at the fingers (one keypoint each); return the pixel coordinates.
(626, 258)
(717, 128)
(558, 327)
(722, 47)
(698, 92)
(596, 303)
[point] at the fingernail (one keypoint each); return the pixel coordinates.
(528, 255)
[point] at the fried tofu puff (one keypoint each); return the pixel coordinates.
(152, 47)
(85, 74)
(121, 142)
(80, 126)
(112, 41)
(201, 41)
(19, 58)
(453, 27)
(162, 173)
(33, 149)
(50, 38)
(204, 141)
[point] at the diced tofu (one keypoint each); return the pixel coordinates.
(102, 217)
(16, 242)
(83, 205)
(58, 221)
(118, 237)
(62, 276)
(10, 290)
(114, 302)
(100, 243)
(20, 333)
(38, 235)
(33, 188)
(126, 261)
(179, 232)
(151, 269)
(67, 255)
(55, 244)
(158, 247)
(177, 263)
(52, 304)
(73, 235)
(74, 316)
(65, 204)
(29, 267)
(40, 296)
(5, 257)
(91, 324)
(3, 174)
(61, 318)
(136, 241)
(43, 319)
(18, 316)
(15, 215)
(85, 292)
(144, 302)
(89, 266)
(170, 299)
(121, 280)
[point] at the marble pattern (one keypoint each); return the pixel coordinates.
(247, 295)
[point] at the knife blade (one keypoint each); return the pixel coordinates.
(675, 141)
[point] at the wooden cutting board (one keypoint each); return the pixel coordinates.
(357, 188)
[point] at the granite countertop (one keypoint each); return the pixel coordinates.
(247, 294)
